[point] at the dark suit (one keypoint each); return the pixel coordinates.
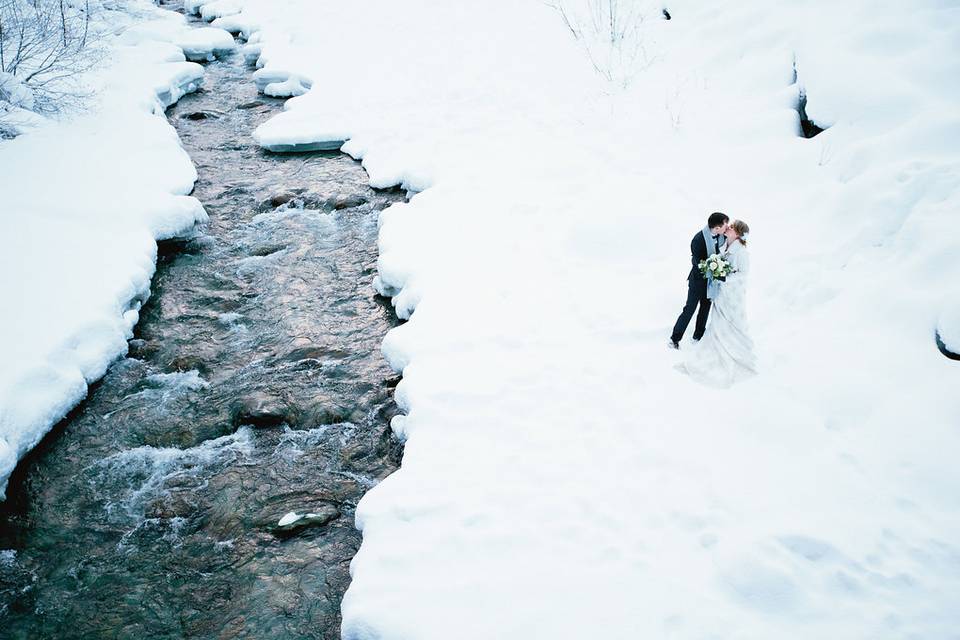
(696, 291)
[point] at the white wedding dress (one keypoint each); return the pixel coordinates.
(725, 353)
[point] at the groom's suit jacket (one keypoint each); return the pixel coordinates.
(698, 252)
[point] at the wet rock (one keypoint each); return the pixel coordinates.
(349, 201)
(276, 200)
(140, 349)
(253, 104)
(201, 115)
(327, 414)
(188, 363)
(173, 506)
(355, 451)
(293, 522)
(316, 353)
(191, 245)
(263, 410)
(267, 249)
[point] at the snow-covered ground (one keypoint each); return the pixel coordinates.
(560, 477)
(83, 202)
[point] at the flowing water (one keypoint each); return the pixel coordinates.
(254, 387)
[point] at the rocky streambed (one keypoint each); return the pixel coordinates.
(254, 387)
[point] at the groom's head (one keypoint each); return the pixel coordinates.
(717, 222)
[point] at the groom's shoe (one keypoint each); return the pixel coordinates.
(673, 344)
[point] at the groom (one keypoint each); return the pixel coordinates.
(706, 242)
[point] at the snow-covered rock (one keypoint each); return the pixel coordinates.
(205, 43)
(294, 521)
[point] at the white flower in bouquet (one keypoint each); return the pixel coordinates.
(714, 267)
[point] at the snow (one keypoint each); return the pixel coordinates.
(560, 479)
(205, 43)
(293, 520)
(288, 519)
(83, 207)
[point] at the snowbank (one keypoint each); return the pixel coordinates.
(560, 478)
(83, 203)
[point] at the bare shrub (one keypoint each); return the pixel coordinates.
(611, 33)
(44, 46)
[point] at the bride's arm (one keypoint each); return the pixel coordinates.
(739, 265)
(741, 262)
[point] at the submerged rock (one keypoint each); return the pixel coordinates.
(264, 410)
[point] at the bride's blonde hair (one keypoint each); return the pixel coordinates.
(742, 229)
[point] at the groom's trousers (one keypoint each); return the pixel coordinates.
(696, 295)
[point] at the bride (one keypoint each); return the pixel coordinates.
(725, 353)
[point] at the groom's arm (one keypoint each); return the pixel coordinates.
(698, 249)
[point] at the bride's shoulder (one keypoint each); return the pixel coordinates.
(735, 247)
(738, 252)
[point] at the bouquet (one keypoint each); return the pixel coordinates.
(715, 267)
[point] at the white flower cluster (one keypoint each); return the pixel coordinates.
(714, 267)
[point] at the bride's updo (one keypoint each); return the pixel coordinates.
(742, 229)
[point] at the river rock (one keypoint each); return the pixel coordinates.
(293, 522)
(188, 363)
(263, 410)
(349, 201)
(200, 115)
(276, 200)
(140, 349)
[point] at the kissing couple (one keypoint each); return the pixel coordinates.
(722, 351)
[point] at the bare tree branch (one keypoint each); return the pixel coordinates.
(44, 46)
(611, 34)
